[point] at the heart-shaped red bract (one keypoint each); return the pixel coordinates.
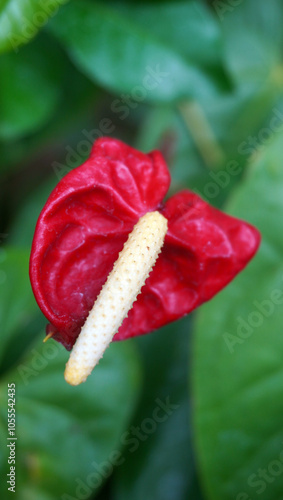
(88, 217)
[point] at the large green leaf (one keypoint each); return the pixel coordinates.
(30, 87)
(68, 438)
(158, 450)
(152, 54)
(238, 370)
(20, 20)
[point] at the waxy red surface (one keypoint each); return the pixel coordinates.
(86, 221)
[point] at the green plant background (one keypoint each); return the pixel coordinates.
(71, 71)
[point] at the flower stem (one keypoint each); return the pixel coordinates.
(117, 296)
(202, 134)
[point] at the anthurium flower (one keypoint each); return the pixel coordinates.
(88, 218)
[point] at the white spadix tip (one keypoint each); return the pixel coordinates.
(117, 295)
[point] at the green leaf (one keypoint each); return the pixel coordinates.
(158, 448)
(238, 370)
(21, 20)
(19, 316)
(119, 49)
(69, 437)
(253, 36)
(30, 87)
(188, 27)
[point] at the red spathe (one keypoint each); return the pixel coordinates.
(88, 217)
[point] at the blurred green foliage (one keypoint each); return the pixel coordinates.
(202, 82)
